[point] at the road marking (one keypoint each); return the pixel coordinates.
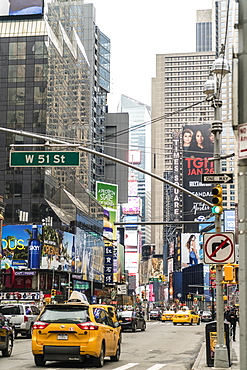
(127, 366)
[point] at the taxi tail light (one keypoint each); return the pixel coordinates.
(87, 326)
(40, 325)
(128, 319)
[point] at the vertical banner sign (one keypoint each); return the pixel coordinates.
(176, 177)
(107, 196)
(198, 146)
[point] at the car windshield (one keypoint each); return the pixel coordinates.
(126, 313)
(10, 310)
(64, 314)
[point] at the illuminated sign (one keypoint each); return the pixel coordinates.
(21, 7)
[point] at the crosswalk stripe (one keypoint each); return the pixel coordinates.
(156, 367)
(127, 366)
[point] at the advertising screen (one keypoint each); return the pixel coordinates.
(21, 7)
(198, 146)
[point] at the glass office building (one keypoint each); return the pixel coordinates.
(46, 88)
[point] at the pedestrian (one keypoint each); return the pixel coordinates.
(232, 319)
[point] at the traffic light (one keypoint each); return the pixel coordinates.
(143, 294)
(217, 209)
(228, 273)
(231, 273)
(53, 292)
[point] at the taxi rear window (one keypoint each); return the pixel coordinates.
(64, 314)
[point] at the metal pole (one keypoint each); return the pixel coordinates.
(221, 355)
(242, 182)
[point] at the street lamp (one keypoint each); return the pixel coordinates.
(212, 88)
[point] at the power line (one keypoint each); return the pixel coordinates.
(140, 125)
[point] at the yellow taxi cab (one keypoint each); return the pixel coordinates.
(75, 331)
(167, 315)
(186, 317)
(112, 311)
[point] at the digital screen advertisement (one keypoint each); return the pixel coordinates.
(21, 7)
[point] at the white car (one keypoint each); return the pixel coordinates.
(21, 316)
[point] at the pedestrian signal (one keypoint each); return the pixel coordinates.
(228, 273)
(217, 209)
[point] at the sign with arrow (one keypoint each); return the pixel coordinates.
(219, 248)
(223, 178)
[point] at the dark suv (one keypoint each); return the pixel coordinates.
(6, 337)
(132, 320)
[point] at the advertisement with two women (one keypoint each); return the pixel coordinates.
(198, 146)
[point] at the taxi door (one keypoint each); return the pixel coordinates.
(110, 333)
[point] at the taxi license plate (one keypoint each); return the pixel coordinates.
(62, 336)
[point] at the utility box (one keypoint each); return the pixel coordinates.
(211, 341)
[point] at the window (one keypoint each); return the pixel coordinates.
(16, 95)
(17, 50)
(16, 73)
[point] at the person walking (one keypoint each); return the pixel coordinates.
(232, 319)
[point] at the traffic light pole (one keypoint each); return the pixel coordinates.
(221, 355)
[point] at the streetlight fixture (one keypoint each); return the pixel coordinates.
(219, 69)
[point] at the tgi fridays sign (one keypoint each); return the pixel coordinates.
(20, 296)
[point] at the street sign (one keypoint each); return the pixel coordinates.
(153, 279)
(44, 159)
(242, 140)
(219, 248)
(223, 178)
(122, 289)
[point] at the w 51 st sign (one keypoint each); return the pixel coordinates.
(44, 159)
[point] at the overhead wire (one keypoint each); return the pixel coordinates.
(143, 124)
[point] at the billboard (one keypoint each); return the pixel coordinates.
(107, 196)
(190, 247)
(133, 207)
(198, 146)
(21, 7)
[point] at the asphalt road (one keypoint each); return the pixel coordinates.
(161, 346)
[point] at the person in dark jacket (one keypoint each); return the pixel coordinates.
(23, 7)
(232, 319)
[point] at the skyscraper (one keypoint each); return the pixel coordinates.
(51, 84)
(177, 99)
(204, 30)
(140, 154)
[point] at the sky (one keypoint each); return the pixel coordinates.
(138, 30)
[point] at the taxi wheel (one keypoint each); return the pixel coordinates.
(39, 360)
(134, 328)
(8, 350)
(174, 323)
(99, 361)
(117, 355)
(198, 322)
(191, 322)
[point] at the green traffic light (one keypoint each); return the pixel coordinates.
(217, 210)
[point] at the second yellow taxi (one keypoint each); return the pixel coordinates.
(167, 315)
(186, 317)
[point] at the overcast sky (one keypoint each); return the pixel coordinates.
(138, 30)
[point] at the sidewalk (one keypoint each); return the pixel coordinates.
(201, 361)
